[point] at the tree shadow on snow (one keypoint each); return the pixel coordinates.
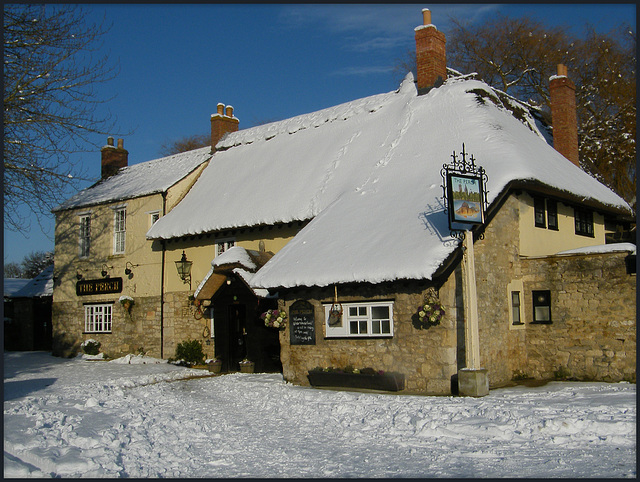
(22, 388)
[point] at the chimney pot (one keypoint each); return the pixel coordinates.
(562, 70)
(113, 158)
(431, 55)
(221, 124)
(426, 16)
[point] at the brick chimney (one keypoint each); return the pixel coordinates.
(563, 115)
(113, 158)
(221, 123)
(431, 55)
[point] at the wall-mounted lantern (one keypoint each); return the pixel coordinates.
(78, 275)
(104, 271)
(128, 266)
(184, 269)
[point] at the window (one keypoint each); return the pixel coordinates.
(541, 307)
(545, 213)
(97, 318)
(515, 290)
(552, 214)
(119, 230)
(153, 217)
(223, 245)
(362, 320)
(85, 235)
(584, 222)
(538, 207)
(515, 308)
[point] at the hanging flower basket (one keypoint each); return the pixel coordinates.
(127, 303)
(274, 319)
(431, 312)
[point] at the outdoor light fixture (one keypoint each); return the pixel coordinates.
(128, 266)
(104, 271)
(184, 269)
(78, 275)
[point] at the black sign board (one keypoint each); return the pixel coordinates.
(302, 323)
(99, 286)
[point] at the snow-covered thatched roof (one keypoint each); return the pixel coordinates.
(41, 285)
(141, 179)
(367, 175)
(13, 285)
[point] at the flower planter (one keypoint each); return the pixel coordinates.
(388, 381)
(247, 367)
(215, 367)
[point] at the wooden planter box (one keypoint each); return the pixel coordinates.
(390, 381)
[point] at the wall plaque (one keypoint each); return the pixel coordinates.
(99, 286)
(302, 323)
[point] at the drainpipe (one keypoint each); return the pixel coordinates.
(164, 210)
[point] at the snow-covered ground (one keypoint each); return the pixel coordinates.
(81, 418)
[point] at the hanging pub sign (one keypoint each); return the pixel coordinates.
(465, 198)
(464, 192)
(99, 286)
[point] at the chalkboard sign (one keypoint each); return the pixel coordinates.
(302, 323)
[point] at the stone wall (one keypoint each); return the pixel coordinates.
(592, 335)
(182, 322)
(427, 357)
(593, 311)
(502, 350)
(137, 331)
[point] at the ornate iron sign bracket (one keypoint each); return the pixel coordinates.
(464, 192)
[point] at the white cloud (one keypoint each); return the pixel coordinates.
(391, 22)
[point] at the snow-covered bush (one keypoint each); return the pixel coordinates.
(90, 347)
(190, 352)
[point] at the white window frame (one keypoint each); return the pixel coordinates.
(223, 244)
(154, 216)
(84, 235)
(361, 313)
(98, 318)
(119, 230)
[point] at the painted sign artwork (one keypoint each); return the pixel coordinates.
(465, 199)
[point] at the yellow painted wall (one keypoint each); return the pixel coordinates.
(536, 241)
(144, 279)
(201, 250)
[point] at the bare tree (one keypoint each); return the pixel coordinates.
(30, 266)
(12, 270)
(518, 56)
(50, 75)
(185, 144)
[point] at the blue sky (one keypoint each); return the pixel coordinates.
(270, 62)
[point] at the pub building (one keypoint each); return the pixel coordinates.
(340, 219)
